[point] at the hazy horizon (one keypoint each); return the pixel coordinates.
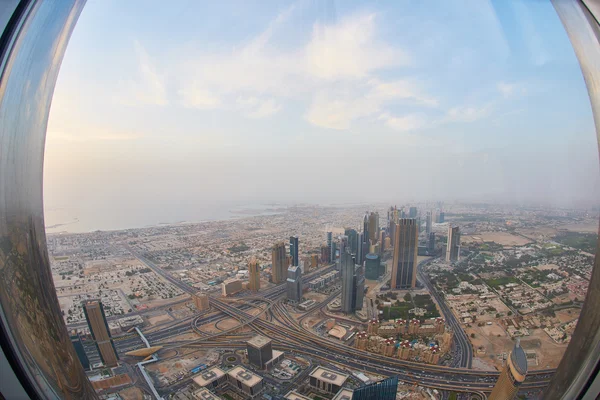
(184, 109)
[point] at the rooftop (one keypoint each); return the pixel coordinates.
(208, 376)
(343, 394)
(293, 395)
(205, 394)
(259, 341)
(330, 376)
(245, 376)
(519, 358)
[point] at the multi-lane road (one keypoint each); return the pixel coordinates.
(289, 335)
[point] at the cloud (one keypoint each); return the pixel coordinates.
(194, 97)
(405, 123)
(256, 108)
(149, 88)
(94, 135)
(467, 114)
(510, 89)
(350, 50)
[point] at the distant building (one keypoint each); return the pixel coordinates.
(442, 217)
(373, 267)
(254, 275)
(94, 314)
(404, 264)
(244, 380)
(231, 287)
(382, 238)
(327, 380)
(366, 229)
(333, 253)
(78, 345)
(211, 378)
(512, 375)
(294, 250)
(294, 284)
(412, 213)
(201, 302)
(428, 222)
(353, 284)
(382, 390)
(373, 227)
(453, 244)
(431, 243)
(329, 246)
(325, 254)
(260, 351)
(352, 235)
(360, 254)
(278, 263)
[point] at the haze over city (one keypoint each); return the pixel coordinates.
(197, 109)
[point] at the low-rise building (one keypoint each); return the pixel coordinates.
(244, 380)
(231, 287)
(210, 378)
(327, 380)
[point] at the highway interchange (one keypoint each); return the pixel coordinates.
(288, 334)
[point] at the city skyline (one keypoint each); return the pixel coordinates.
(196, 110)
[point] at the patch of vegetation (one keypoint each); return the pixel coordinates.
(504, 280)
(238, 248)
(581, 241)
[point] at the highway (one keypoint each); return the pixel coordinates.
(290, 336)
(464, 351)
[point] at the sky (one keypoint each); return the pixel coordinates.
(182, 105)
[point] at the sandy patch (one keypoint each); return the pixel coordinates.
(502, 238)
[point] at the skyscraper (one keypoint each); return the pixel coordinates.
(382, 390)
(366, 228)
(334, 253)
(381, 241)
(511, 376)
(353, 283)
(278, 263)
(94, 314)
(325, 254)
(404, 265)
(294, 250)
(373, 227)
(347, 275)
(294, 284)
(372, 267)
(453, 244)
(360, 254)
(428, 223)
(412, 213)
(254, 274)
(431, 243)
(352, 239)
(76, 341)
(442, 217)
(329, 242)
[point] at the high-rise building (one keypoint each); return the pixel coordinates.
(442, 217)
(428, 222)
(329, 243)
(254, 275)
(381, 241)
(412, 213)
(334, 253)
(353, 283)
(278, 263)
(404, 264)
(201, 301)
(259, 350)
(294, 250)
(393, 225)
(431, 243)
(347, 277)
(360, 254)
(372, 267)
(83, 358)
(294, 284)
(374, 227)
(325, 254)
(366, 228)
(94, 314)
(231, 286)
(512, 375)
(381, 390)
(453, 244)
(359, 286)
(352, 239)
